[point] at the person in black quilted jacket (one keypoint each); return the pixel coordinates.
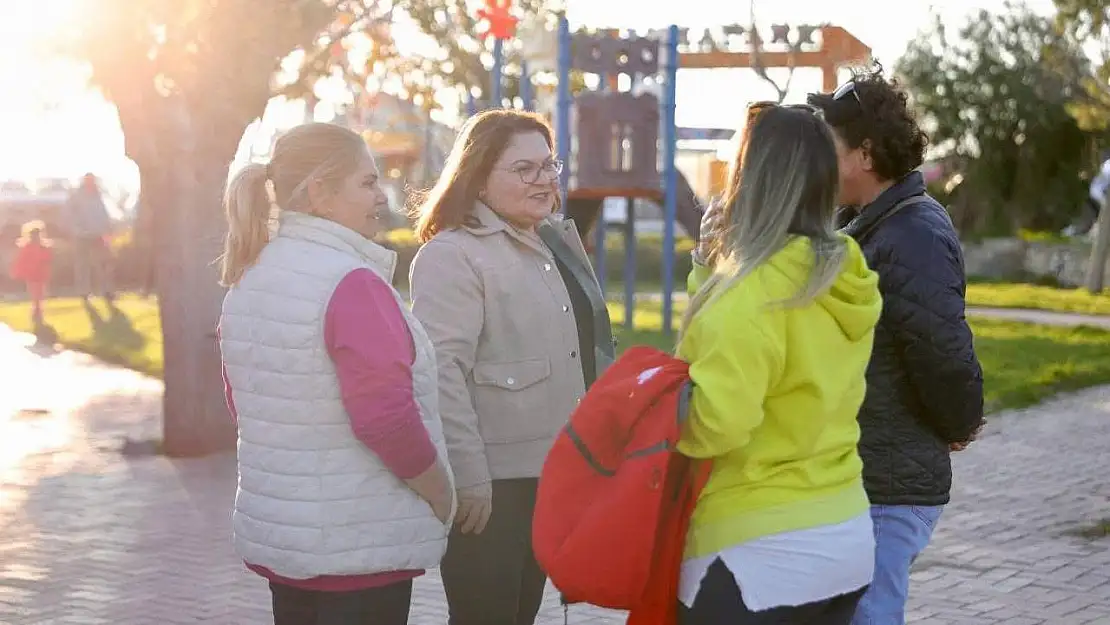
(924, 383)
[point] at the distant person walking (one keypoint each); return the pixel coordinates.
(87, 221)
(31, 266)
(1096, 195)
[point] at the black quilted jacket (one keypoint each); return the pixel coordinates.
(924, 382)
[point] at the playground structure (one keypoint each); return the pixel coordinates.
(623, 143)
(615, 151)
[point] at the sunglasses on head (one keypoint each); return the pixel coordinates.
(755, 108)
(845, 90)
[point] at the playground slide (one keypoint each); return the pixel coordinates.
(584, 213)
(688, 211)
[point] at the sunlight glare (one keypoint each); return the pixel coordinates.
(24, 22)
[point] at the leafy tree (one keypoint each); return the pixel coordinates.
(1088, 21)
(187, 77)
(996, 94)
(461, 59)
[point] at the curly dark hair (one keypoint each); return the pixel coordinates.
(880, 115)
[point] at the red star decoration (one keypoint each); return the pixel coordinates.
(499, 21)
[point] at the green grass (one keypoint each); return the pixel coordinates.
(1024, 363)
(1016, 295)
(979, 293)
(1092, 531)
(128, 334)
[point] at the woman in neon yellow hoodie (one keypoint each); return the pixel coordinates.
(778, 337)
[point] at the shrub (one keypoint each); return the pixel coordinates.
(649, 258)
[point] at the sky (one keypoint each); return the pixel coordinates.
(77, 131)
(887, 26)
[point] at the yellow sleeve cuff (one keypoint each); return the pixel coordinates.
(697, 277)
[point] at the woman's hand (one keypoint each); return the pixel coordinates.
(475, 508)
(442, 508)
(434, 487)
(974, 436)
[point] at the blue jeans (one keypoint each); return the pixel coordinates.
(901, 534)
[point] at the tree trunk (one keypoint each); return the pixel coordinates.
(183, 112)
(195, 416)
(1096, 266)
(196, 420)
(146, 232)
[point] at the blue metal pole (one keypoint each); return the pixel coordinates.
(471, 104)
(562, 109)
(525, 86)
(670, 176)
(630, 263)
(601, 228)
(498, 63)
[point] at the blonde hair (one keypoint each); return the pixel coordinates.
(311, 152)
(785, 185)
(735, 168)
(29, 229)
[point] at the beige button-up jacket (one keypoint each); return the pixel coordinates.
(494, 304)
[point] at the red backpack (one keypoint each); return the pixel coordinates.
(614, 497)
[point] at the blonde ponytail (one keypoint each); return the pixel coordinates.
(322, 152)
(247, 208)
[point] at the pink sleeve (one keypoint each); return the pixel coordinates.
(227, 386)
(370, 343)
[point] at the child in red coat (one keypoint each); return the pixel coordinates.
(32, 266)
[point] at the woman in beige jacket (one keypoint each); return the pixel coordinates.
(499, 284)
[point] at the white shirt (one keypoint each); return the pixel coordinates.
(793, 568)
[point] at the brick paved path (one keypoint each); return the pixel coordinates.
(88, 536)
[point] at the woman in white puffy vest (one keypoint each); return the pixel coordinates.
(345, 493)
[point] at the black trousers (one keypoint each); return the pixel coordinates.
(719, 603)
(383, 605)
(492, 578)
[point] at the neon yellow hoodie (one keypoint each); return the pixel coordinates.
(776, 398)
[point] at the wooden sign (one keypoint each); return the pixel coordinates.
(825, 47)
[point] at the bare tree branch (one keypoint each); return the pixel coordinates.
(757, 58)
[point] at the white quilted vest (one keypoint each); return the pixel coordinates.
(313, 500)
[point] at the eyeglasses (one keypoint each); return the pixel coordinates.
(530, 172)
(845, 90)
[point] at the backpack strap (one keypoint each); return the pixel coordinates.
(685, 396)
(864, 232)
